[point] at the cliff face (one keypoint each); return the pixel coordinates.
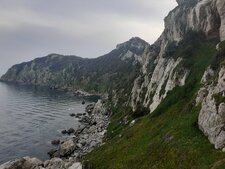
(115, 70)
(142, 74)
(206, 16)
(211, 98)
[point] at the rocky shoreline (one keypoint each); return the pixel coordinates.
(69, 152)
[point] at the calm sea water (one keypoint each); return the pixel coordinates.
(31, 117)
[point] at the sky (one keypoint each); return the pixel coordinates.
(86, 28)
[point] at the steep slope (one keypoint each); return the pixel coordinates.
(212, 100)
(170, 136)
(115, 70)
(205, 16)
(167, 138)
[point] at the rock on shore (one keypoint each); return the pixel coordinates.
(34, 163)
(88, 136)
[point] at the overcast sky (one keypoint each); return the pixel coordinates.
(87, 28)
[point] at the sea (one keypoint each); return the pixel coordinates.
(31, 117)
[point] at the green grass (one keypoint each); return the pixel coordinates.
(167, 139)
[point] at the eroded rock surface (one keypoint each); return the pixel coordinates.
(152, 86)
(212, 115)
(34, 163)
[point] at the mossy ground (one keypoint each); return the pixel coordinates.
(167, 139)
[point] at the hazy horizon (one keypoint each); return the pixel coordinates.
(35, 29)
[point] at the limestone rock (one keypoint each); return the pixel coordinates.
(55, 163)
(211, 119)
(202, 93)
(206, 16)
(67, 148)
(186, 2)
(209, 73)
(23, 163)
(221, 10)
(76, 166)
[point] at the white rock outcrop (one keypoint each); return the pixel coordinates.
(221, 10)
(152, 86)
(211, 119)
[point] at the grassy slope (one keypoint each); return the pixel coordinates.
(169, 138)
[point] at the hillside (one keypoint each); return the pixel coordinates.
(65, 72)
(167, 138)
(171, 88)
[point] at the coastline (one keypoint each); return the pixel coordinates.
(68, 90)
(69, 152)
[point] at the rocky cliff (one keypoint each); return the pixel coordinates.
(205, 16)
(211, 98)
(143, 74)
(114, 71)
(136, 74)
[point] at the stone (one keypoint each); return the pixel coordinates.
(55, 163)
(209, 73)
(55, 142)
(125, 120)
(211, 118)
(76, 166)
(94, 123)
(53, 153)
(23, 163)
(89, 108)
(70, 131)
(64, 131)
(72, 114)
(221, 8)
(168, 137)
(99, 108)
(202, 93)
(132, 123)
(85, 120)
(67, 148)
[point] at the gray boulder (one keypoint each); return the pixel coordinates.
(23, 163)
(55, 163)
(211, 119)
(67, 148)
(76, 166)
(55, 142)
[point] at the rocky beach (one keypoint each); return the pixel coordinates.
(68, 152)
